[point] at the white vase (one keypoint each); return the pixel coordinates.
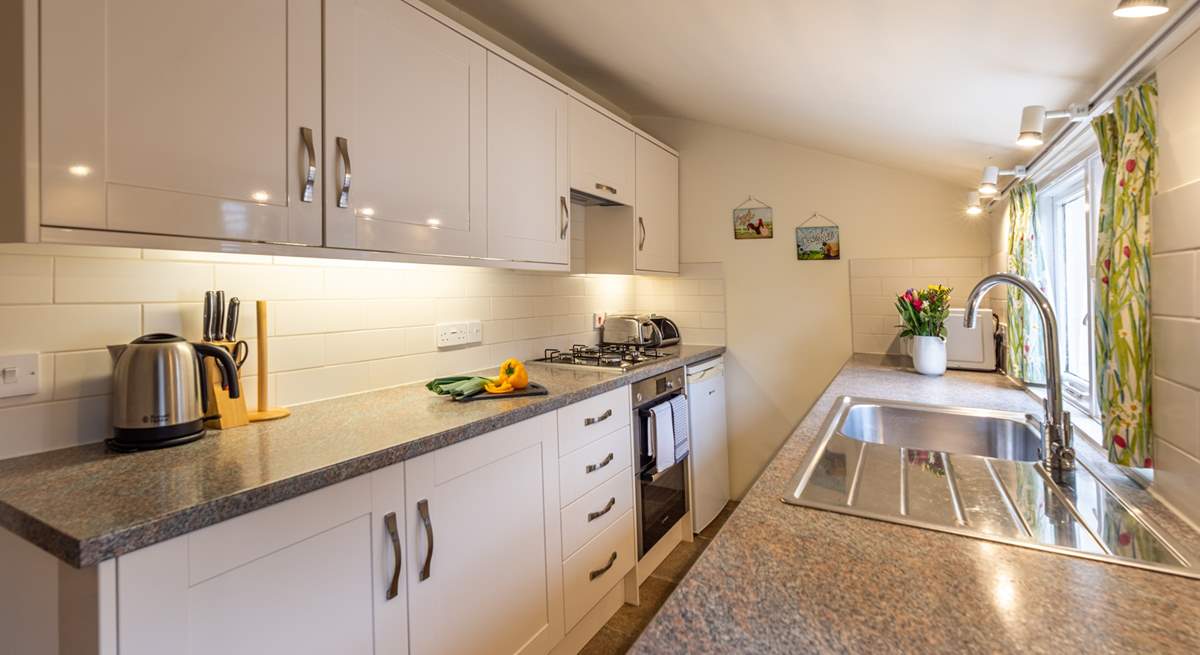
(929, 355)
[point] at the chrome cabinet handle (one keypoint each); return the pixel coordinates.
(642, 242)
(592, 421)
(612, 559)
(592, 516)
(343, 148)
(605, 187)
(566, 212)
(592, 468)
(423, 510)
(310, 176)
(389, 522)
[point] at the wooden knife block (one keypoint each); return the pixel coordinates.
(232, 411)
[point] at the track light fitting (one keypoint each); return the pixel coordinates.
(1033, 121)
(1140, 8)
(989, 182)
(973, 207)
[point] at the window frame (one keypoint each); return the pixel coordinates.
(1080, 181)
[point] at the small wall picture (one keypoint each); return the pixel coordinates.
(818, 242)
(753, 223)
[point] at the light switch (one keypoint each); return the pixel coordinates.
(18, 375)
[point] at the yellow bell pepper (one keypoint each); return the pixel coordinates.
(498, 387)
(513, 372)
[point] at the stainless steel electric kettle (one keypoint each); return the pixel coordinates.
(160, 391)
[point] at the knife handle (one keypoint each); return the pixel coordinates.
(219, 317)
(208, 310)
(231, 319)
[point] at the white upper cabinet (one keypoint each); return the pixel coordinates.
(182, 118)
(602, 155)
(484, 555)
(405, 132)
(528, 193)
(657, 209)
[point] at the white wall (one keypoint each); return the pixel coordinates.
(788, 324)
(1175, 307)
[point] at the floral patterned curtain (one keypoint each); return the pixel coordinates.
(1123, 357)
(1026, 359)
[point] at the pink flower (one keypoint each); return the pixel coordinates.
(1119, 441)
(1126, 251)
(1130, 165)
(1107, 264)
(1121, 183)
(917, 304)
(1104, 279)
(1124, 538)
(1148, 463)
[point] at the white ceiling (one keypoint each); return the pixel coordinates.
(934, 86)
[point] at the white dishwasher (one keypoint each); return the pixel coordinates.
(709, 468)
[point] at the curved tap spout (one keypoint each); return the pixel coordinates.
(1057, 453)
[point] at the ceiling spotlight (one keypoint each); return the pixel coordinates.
(988, 184)
(973, 208)
(1140, 8)
(1033, 121)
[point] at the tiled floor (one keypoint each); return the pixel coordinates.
(624, 627)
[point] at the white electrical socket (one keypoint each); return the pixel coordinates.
(18, 375)
(597, 321)
(450, 335)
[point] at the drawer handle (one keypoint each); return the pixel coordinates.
(592, 468)
(592, 516)
(389, 522)
(642, 227)
(310, 175)
(566, 212)
(605, 187)
(594, 420)
(612, 559)
(423, 510)
(343, 148)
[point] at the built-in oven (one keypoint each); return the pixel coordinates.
(661, 490)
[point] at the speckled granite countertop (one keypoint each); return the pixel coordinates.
(85, 504)
(785, 579)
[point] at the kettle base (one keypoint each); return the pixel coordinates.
(116, 444)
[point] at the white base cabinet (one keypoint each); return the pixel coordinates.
(460, 550)
(484, 571)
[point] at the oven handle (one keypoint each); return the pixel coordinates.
(653, 477)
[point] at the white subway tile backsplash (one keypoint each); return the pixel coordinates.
(336, 327)
(79, 280)
(1177, 350)
(53, 328)
(949, 266)
(866, 286)
(82, 373)
(1175, 222)
(1175, 293)
(893, 267)
(269, 282)
(26, 279)
(1175, 475)
(1177, 415)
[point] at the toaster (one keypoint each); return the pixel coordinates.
(630, 329)
(667, 329)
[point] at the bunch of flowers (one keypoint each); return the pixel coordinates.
(923, 313)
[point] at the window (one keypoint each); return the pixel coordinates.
(1068, 209)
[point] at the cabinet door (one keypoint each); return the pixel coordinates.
(182, 118)
(295, 577)
(528, 198)
(657, 209)
(602, 155)
(485, 571)
(405, 117)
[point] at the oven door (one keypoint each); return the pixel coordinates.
(662, 501)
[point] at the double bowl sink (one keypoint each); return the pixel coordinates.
(975, 473)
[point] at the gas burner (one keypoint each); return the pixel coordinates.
(616, 357)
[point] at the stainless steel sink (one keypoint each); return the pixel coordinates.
(965, 432)
(975, 473)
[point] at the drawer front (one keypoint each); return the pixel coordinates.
(599, 508)
(588, 420)
(596, 463)
(587, 575)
